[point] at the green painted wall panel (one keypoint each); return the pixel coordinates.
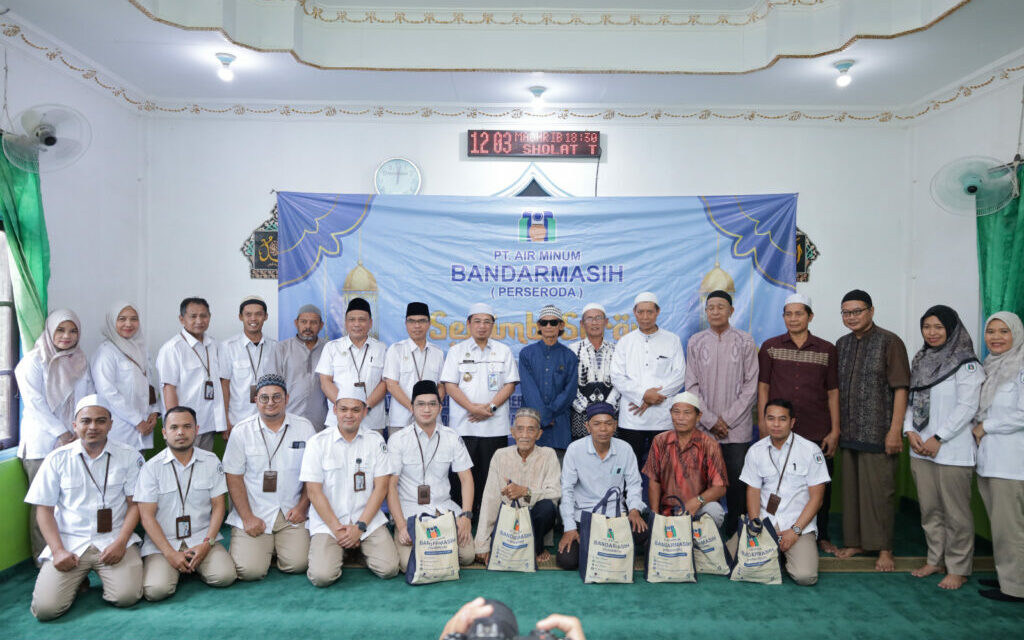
(13, 514)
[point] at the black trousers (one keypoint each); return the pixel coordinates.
(736, 494)
(542, 516)
(826, 504)
(570, 559)
(640, 443)
(481, 450)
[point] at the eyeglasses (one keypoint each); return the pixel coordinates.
(432, 404)
(417, 320)
(265, 399)
(480, 321)
(594, 318)
(548, 323)
(853, 313)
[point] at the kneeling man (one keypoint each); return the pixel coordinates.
(786, 478)
(180, 494)
(83, 492)
(686, 463)
(523, 472)
(345, 470)
(591, 467)
(420, 457)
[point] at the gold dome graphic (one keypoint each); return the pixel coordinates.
(717, 280)
(360, 279)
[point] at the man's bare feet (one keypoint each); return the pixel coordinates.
(543, 556)
(952, 582)
(885, 562)
(826, 546)
(849, 552)
(926, 570)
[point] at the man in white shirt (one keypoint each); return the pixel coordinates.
(244, 359)
(356, 361)
(480, 375)
(262, 463)
(188, 365)
(346, 473)
(83, 494)
(648, 367)
(409, 361)
(180, 493)
(297, 358)
(786, 476)
(421, 456)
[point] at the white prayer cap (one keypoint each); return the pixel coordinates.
(646, 296)
(592, 307)
(91, 400)
(481, 307)
(798, 298)
(351, 392)
(550, 311)
(687, 397)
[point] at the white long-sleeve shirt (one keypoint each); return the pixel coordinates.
(40, 426)
(125, 387)
(643, 361)
(1001, 453)
(953, 404)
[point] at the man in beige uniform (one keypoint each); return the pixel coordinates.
(83, 494)
(180, 493)
(346, 473)
(262, 463)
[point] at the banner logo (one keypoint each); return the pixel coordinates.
(537, 226)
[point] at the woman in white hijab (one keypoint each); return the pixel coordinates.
(999, 430)
(125, 379)
(52, 378)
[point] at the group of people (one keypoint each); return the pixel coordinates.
(306, 425)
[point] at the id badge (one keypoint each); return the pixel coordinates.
(183, 527)
(359, 481)
(269, 481)
(104, 520)
(492, 382)
(252, 394)
(359, 385)
(773, 503)
(423, 494)
(152, 394)
(208, 390)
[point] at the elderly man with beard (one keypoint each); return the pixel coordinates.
(297, 358)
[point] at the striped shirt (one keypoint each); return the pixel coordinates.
(803, 375)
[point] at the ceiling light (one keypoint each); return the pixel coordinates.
(843, 67)
(225, 73)
(538, 96)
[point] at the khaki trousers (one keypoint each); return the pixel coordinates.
(205, 441)
(35, 536)
(467, 553)
(1004, 500)
(869, 486)
(252, 555)
(944, 492)
(801, 558)
(326, 557)
(55, 590)
(160, 579)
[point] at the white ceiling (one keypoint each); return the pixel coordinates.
(167, 63)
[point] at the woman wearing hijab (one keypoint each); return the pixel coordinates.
(124, 378)
(945, 381)
(999, 431)
(52, 378)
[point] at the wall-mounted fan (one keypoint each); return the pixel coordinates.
(47, 137)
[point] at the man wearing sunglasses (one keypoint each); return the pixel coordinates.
(547, 379)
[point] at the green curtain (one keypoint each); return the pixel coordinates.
(21, 205)
(1001, 257)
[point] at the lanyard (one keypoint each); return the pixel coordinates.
(419, 374)
(784, 464)
(422, 460)
(141, 368)
(359, 369)
(106, 474)
(206, 365)
(255, 367)
(188, 488)
(280, 441)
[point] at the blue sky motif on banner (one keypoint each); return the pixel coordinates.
(311, 226)
(762, 229)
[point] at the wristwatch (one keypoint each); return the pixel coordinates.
(937, 438)
(209, 541)
(701, 500)
(467, 514)
(529, 495)
(361, 525)
(797, 529)
(493, 408)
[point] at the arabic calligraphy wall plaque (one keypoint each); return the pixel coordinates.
(260, 249)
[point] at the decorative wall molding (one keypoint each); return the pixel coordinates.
(67, 61)
(326, 36)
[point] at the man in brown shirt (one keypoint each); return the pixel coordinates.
(874, 375)
(686, 463)
(803, 369)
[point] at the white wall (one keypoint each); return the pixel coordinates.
(91, 207)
